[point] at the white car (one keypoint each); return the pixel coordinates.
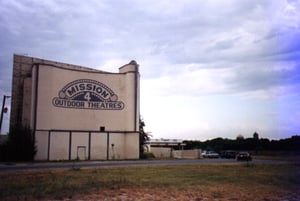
(210, 154)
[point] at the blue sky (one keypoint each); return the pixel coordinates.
(208, 68)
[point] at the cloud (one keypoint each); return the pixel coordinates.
(189, 83)
(187, 50)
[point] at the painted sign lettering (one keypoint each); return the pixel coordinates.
(87, 94)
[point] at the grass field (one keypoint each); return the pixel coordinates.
(240, 181)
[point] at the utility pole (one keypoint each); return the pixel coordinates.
(3, 110)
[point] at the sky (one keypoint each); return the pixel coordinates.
(208, 68)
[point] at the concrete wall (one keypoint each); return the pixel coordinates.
(187, 154)
(79, 146)
(166, 152)
(132, 141)
(58, 145)
(99, 146)
(161, 152)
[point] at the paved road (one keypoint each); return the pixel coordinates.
(99, 164)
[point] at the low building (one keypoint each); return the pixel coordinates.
(163, 148)
(171, 148)
(167, 143)
(77, 112)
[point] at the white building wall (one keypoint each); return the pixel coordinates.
(117, 146)
(98, 146)
(80, 142)
(52, 80)
(59, 146)
(61, 131)
(132, 141)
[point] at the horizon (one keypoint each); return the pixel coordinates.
(224, 138)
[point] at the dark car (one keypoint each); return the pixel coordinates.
(228, 154)
(243, 156)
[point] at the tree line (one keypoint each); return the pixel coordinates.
(20, 145)
(249, 144)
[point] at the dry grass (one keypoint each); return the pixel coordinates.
(182, 182)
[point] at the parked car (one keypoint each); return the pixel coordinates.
(210, 154)
(243, 156)
(228, 154)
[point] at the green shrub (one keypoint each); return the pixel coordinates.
(20, 145)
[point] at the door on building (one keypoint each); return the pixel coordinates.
(81, 153)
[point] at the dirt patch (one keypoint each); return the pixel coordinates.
(190, 194)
